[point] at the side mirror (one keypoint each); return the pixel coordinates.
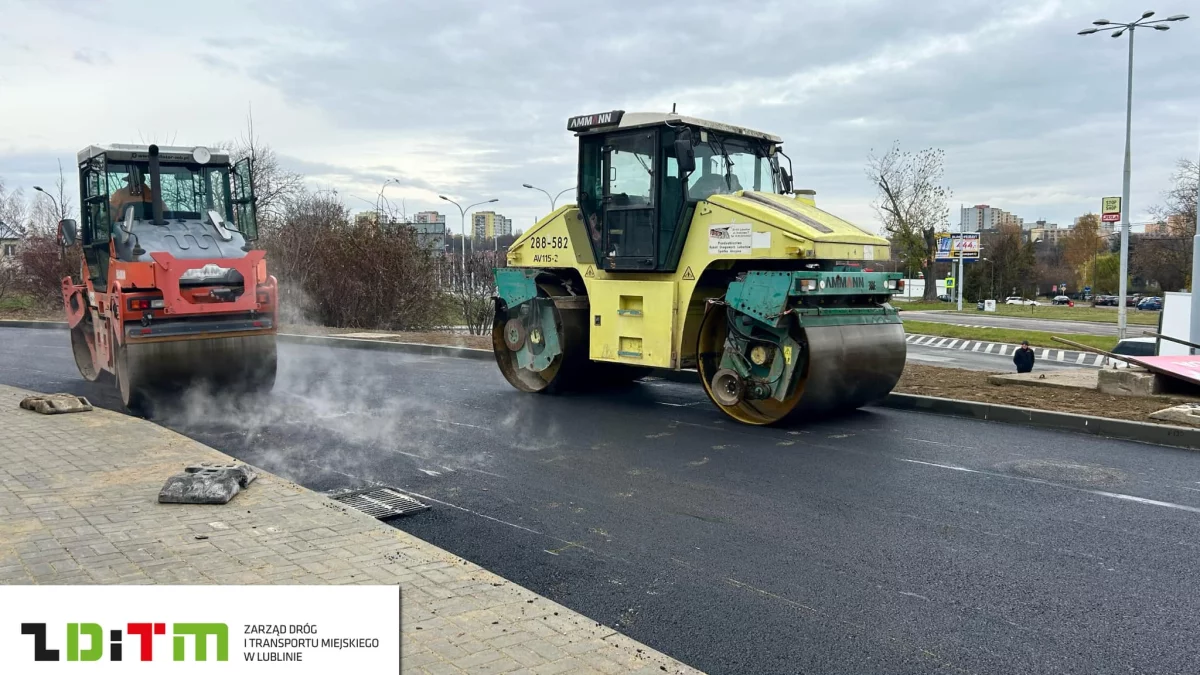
(685, 154)
(786, 179)
(67, 231)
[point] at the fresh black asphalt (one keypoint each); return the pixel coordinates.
(880, 542)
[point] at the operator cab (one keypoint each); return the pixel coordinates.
(641, 176)
(204, 209)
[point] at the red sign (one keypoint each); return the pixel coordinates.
(1184, 367)
(1110, 218)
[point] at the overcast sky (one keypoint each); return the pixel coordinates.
(471, 98)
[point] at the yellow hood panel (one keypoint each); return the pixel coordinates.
(796, 215)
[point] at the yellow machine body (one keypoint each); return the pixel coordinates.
(651, 318)
(688, 248)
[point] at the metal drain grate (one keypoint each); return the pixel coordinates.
(381, 503)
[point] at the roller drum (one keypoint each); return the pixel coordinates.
(241, 364)
(851, 366)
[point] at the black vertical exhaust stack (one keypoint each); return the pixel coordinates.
(155, 187)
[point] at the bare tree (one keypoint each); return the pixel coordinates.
(273, 185)
(912, 204)
(472, 287)
(1165, 257)
(13, 209)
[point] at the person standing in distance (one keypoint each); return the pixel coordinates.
(1023, 358)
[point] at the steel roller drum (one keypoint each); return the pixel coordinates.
(239, 363)
(851, 366)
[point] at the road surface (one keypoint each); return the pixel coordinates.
(1020, 323)
(883, 541)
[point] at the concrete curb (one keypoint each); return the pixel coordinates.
(17, 323)
(1144, 432)
(384, 346)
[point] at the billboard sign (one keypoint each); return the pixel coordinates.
(1184, 367)
(950, 246)
(1110, 210)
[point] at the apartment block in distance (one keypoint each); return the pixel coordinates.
(489, 224)
(982, 217)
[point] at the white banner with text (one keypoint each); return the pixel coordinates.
(193, 629)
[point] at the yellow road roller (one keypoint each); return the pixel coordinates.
(689, 248)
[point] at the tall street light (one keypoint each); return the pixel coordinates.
(554, 199)
(1120, 29)
(463, 214)
(57, 206)
(380, 198)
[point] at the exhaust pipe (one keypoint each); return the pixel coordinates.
(155, 187)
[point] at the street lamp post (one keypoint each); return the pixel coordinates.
(57, 206)
(553, 200)
(1120, 28)
(463, 215)
(379, 198)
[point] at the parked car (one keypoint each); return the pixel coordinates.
(1105, 301)
(1139, 346)
(1061, 300)
(945, 298)
(1014, 300)
(1150, 304)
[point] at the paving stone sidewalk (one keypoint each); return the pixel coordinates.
(78, 505)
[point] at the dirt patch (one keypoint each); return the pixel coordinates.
(973, 385)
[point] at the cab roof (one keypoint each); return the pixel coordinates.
(619, 119)
(166, 153)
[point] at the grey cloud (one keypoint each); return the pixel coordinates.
(1026, 110)
(92, 57)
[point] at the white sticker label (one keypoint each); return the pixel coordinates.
(868, 252)
(120, 275)
(762, 240)
(731, 239)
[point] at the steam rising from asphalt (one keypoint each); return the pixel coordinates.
(368, 416)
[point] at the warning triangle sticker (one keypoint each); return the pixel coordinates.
(590, 272)
(688, 276)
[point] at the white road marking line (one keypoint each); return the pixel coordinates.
(910, 338)
(474, 513)
(978, 346)
(930, 358)
(461, 424)
(951, 345)
(942, 342)
(949, 445)
(1082, 356)
(1060, 355)
(1045, 353)
(991, 346)
(1003, 350)
(1100, 493)
(964, 344)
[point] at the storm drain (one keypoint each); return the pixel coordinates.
(381, 503)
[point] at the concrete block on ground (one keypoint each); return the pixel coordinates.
(1187, 413)
(1073, 378)
(1129, 382)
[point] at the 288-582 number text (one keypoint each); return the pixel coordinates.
(548, 242)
